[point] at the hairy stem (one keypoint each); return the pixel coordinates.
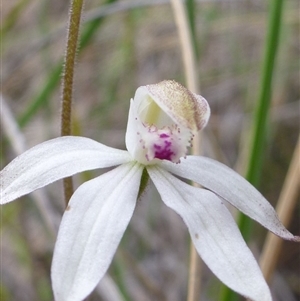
(68, 77)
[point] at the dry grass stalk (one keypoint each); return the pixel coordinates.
(189, 62)
(285, 207)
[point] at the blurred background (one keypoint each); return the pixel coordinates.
(126, 44)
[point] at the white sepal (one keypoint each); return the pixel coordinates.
(233, 188)
(215, 235)
(53, 160)
(91, 229)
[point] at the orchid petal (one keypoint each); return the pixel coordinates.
(53, 160)
(233, 188)
(91, 229)
(214, 233)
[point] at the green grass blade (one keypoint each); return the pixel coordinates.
(54, 76)
(260, 118)
(263, 105)
(43, 96)
(191, 13)
(13, 16)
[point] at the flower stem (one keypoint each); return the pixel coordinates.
(68, 77)
(144, 182)
(261, 117)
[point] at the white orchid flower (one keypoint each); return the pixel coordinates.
(162, 121)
